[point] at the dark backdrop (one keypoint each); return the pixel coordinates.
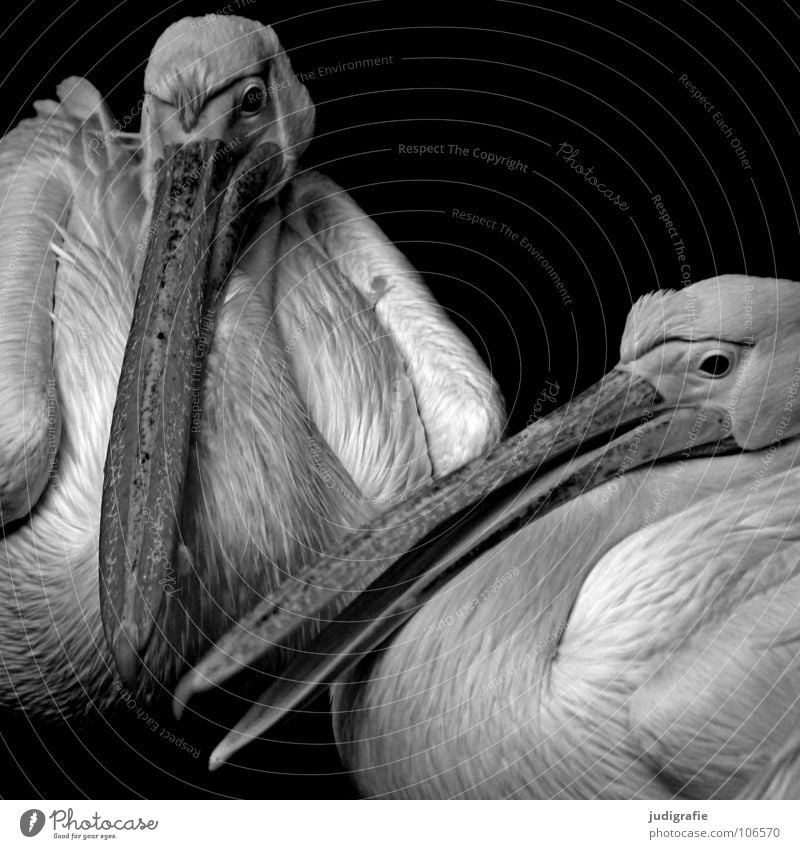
(544, 291)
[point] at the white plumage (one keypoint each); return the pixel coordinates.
(327, 391)
(639, 641)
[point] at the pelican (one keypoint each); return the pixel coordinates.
(638, 639)
(213, 364)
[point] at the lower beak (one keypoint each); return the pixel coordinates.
(199, 215)
(617, 426)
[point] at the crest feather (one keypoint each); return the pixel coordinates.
(734, 307)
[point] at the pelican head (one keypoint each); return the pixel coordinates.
(729, 342)
(223, 125)
(224, 78)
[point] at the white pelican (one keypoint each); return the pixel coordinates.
(640, 640)
(286, 374)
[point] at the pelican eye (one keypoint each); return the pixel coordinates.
(253, 99)
(716, 364)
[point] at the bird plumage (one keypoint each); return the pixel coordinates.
(71, 219)
(316, 401)
(587, 672)
(638, 641)
(647, 647)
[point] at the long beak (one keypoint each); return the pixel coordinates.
(199, 215)
(619, 425)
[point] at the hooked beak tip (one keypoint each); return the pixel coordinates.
(183, 693)
(217, 759)
(178, 707)
(236, 739)
(126, 655)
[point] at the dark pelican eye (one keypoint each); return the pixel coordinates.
(716, 364)
(253, 99)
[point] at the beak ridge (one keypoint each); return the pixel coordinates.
(198, 220)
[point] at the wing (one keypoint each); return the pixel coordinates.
(60, 173)
(718, 693)
(393, 385)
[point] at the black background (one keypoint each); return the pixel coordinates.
(506, 78)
